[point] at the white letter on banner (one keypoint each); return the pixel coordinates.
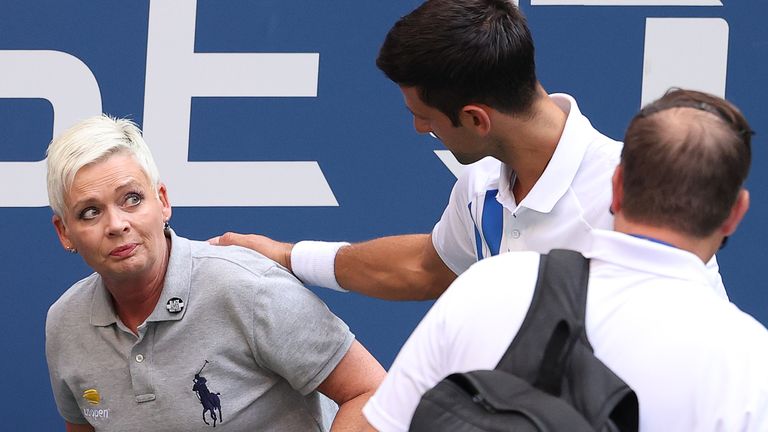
(690, 53)
(175, 73)
(69, 85)
(626, 3)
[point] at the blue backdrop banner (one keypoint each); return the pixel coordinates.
(271, 117)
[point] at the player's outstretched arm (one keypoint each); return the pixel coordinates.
(404, 267)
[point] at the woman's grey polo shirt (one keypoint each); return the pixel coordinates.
(251, 340)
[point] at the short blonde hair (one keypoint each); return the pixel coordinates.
(93, 140)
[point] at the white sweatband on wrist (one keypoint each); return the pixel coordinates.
(313, 263)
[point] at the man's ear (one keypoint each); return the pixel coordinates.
(477, 118)
(617, 183)
(738, 211)
(61, 231)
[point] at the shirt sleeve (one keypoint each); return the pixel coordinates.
(454, 235)
(454, 336)
(417, 368)
(65, 400)
(296, 335)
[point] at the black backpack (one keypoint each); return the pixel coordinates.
(549, 378)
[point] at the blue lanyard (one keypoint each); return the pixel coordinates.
(653, 240)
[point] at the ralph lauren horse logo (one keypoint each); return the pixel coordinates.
(210, 401)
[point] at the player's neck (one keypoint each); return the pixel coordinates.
(527, 143)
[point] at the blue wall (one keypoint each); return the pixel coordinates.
(385, 178)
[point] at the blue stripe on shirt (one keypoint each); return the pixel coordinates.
(493, 221)
(478, 239)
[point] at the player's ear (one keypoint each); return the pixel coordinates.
(477, 118)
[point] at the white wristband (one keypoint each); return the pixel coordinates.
(313, 263)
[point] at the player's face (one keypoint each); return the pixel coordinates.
(114, 219)
(464, 145)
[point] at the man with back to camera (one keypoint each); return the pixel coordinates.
(695, 361)
(541, 173)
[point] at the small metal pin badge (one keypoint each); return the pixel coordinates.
(174, 305)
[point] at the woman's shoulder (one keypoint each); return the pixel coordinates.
(237, 273)
(230, 259)
(235, 266)
(78, 297)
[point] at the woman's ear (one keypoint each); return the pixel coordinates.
(61, 231)
(162, 195)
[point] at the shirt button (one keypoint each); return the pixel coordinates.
(515, 234)
(139, 358)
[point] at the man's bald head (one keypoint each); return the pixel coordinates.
(685, 159)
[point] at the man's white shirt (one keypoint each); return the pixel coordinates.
(570, 199)
(654, 316)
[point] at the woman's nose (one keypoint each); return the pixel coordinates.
(117, 223)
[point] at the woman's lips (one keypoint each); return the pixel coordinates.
(123, 251)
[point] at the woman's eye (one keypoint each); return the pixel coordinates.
(89, 213)
(133, 199)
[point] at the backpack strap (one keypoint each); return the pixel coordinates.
(551, 351)
(556, 314)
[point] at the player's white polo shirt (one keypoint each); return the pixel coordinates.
(571, 197)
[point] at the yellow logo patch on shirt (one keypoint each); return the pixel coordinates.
(92, 396)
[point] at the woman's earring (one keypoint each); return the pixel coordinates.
(71, 250)
(166, 226)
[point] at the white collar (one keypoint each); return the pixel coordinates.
(561, 169)
(647, 256)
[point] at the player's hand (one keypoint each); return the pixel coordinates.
(274, 250)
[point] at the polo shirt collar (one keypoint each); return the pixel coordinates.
(102, 312)
(177, 282)
(176, 285)
(647, 256)
(561, 169)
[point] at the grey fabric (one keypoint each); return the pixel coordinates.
(268, 342)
